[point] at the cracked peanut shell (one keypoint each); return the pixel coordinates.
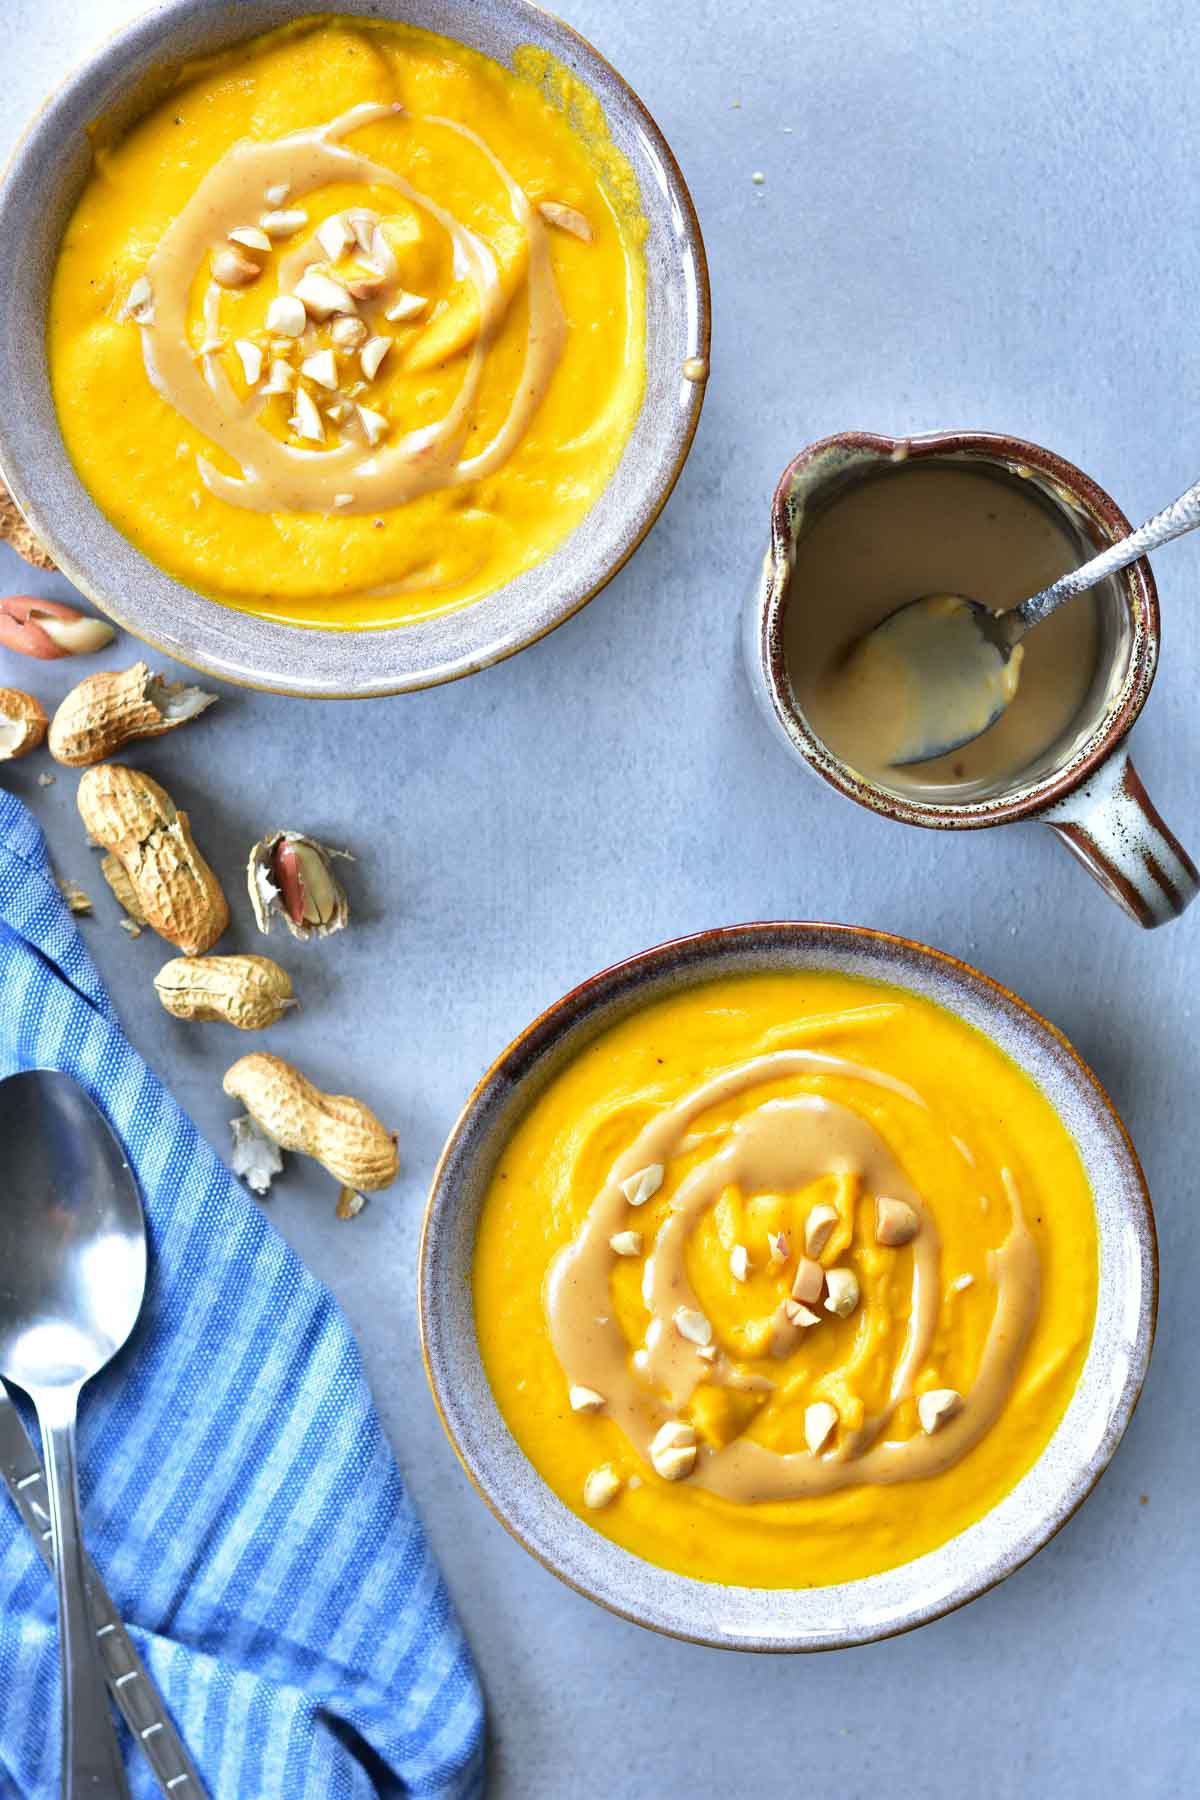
(22, 723)
(130, 815)
(20, 536)
(117, 706)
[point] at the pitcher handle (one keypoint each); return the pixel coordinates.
(1113, 827)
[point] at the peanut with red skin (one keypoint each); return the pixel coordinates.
(292, 874)
(49, 628)
(286, 871)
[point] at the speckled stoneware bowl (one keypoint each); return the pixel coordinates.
(855, 1612)
(39, 189)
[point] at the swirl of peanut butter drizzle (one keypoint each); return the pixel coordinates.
(281, 477)
(783, 1143)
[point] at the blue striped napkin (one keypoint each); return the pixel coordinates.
(238, 1495)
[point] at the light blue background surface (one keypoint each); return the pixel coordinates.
(974, 214)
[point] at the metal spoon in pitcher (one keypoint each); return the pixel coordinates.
(945, 667)
(72, 1279)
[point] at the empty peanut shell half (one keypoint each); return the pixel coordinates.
(117, 706)
(22, 723)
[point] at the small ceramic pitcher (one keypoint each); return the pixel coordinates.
(1092, 795)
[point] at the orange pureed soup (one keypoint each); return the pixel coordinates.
(349, 329)
(786, 1279)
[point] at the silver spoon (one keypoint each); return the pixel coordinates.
(954, 656)
(72, 1279)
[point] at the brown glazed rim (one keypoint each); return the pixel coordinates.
(573, 1008)
(1098, 507)
(95, 590)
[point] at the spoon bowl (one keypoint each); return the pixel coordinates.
(72, 1281)
(934, 674)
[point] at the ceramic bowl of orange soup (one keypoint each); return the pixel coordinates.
(346, 354)
(787, 1286)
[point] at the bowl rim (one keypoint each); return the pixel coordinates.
(42, 136)
(700, 955)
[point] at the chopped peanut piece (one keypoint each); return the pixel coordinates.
(320, 296)
(810, 1279)
(820, 1421)
(321, 368)
(406, 306)
(842, 1297)
(643, 1186)
(739, 1262)
(230, 269)
(626, 1243)
(250, 236)
(818, 1228)
(348, 333)
(896, 1223)
(692, 1325)
(602, 1486)
(673, 1450)
(936, 1407)
(283, 224)
(567, 218)
(286, 316)
(585, 1399)
(372, 354)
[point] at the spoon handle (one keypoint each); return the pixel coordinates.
(129, 1681)
(1173, 521)
(92, 1765)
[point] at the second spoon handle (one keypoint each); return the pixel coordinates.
(1173, 521)
(92, 1765)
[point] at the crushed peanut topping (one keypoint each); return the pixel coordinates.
(321, 368)
(283, 224)
(936, 1407)
(673, 1450)
(566, 218)
(250, 236)
(842, 1295)
(896, 1222)
(809, 1280)
(287, 316)
(601, 1487)
(251, 358)
(692, 1325)
(230, 269)
(818, 1229)
(306, 420)
(642, 1186)
(323, 296)
(820, 1422)
(372, 354)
